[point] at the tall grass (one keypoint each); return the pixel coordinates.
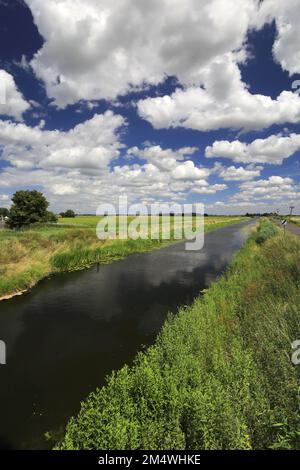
(265, 231)
(219, 375)
(25, 254)
(80, 257)
(28, 255)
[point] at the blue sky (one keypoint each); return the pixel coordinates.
(162, 101)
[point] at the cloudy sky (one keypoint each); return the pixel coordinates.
(160, 100)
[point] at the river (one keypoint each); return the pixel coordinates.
(70, 331)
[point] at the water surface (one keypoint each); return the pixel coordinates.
(73, 329)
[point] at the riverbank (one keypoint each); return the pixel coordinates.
(295, 220)
(220, 374)
(28, 256)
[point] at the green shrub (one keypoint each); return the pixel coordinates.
(265, 231)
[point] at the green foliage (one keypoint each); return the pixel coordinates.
(69, 214)
(51, 217)
(82, 256)
(28, 207)
(219, 375)
(20, 282)
(3, 212)
(265, 231)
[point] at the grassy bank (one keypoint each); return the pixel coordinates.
(295, 220)
(220, 374)
(30, 255)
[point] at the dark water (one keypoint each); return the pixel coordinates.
(72, 330)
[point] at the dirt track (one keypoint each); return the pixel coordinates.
(292, 228)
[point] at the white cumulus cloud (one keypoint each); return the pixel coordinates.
(224, 101)
(275, 188)
(77, 168)
(164, 159)
(287, 17)
(233, 173)
(90, 145)
(101, 49)
(12, 102)
(274, 149)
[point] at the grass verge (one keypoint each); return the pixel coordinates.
(220, 374)
(295, 220)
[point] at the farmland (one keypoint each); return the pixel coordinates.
(29, 255)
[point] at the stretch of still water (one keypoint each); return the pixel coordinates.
(70, 331)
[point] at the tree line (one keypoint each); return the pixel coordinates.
(30, 207)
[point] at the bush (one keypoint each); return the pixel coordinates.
(51, 217)
(265, 231)
(3, 212)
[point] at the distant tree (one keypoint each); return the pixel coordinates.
(51, 217)
(3, 212)
(69, 214)
(28, 207)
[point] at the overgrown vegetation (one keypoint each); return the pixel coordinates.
(81, 256)
(26, 256)
(265, 231)
(220, 375)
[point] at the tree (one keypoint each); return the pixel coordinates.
(51, 217)
(69, 214)
(28, 207)
(3, 212)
